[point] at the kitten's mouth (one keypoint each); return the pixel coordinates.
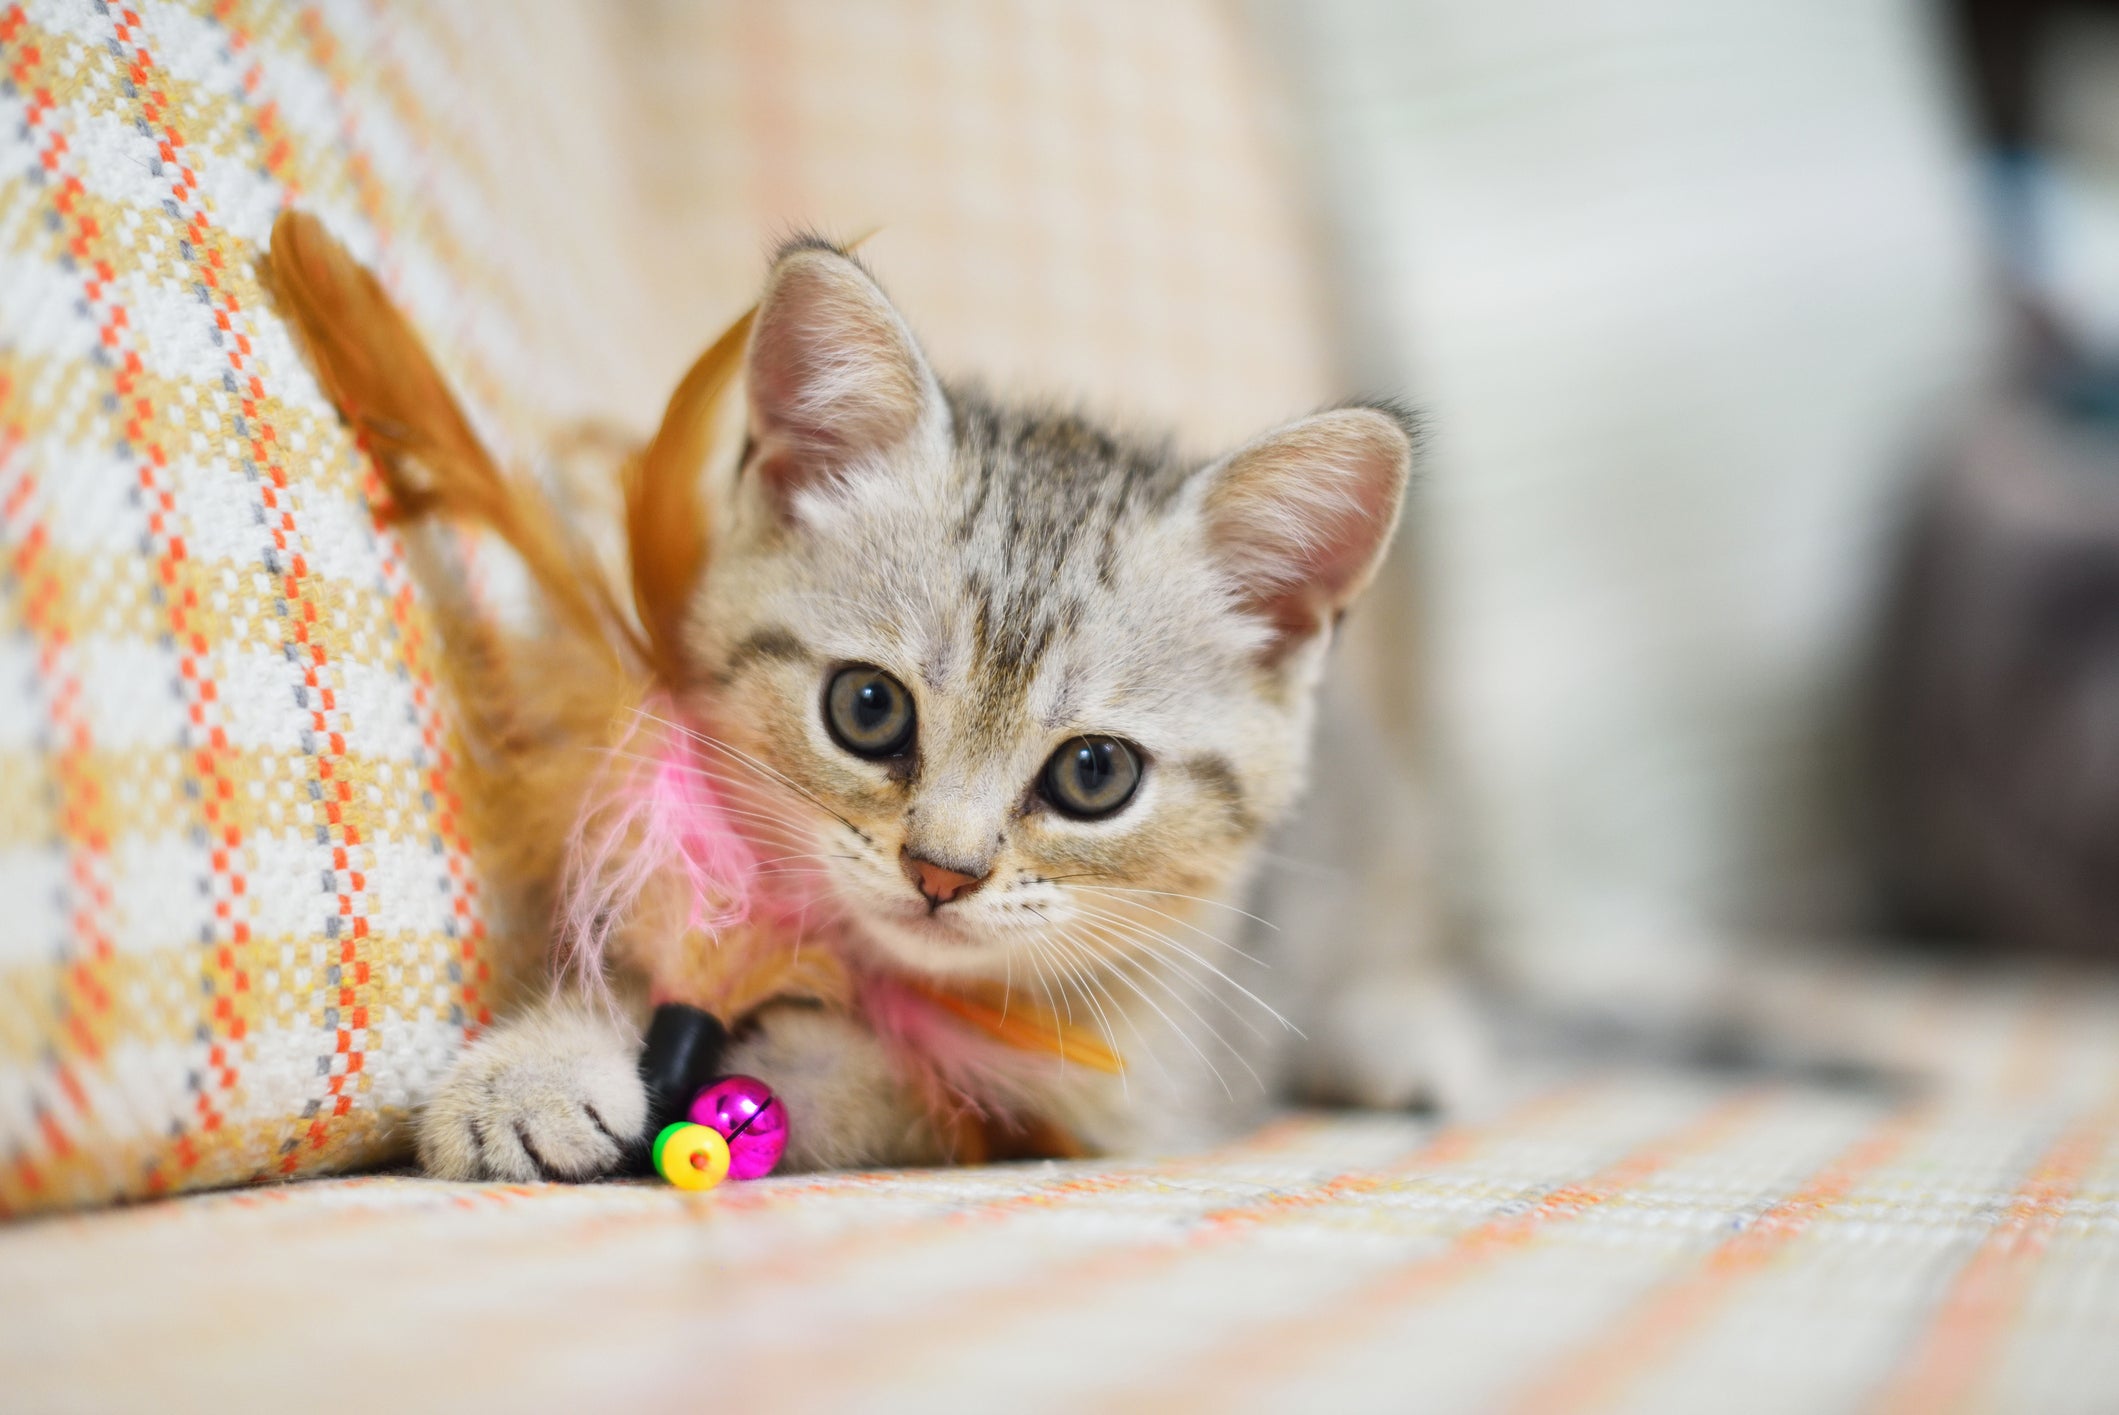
(941, 924)
(935, 942)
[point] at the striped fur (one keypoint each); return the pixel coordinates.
(1030, 578)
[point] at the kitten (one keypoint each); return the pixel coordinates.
(1021, 698)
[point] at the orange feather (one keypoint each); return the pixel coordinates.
(377, 371)
(665, 510)
(534, 706)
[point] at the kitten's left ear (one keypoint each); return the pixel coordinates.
(1300, 518)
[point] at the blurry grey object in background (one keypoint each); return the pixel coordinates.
(1686, 292)
(1999, 709)
(1999, 693)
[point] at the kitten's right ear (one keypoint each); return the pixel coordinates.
(835, 377)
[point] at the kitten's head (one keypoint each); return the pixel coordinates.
(1009, 688)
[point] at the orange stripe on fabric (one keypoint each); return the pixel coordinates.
(223, 981)
(974, 1316)
(352, 1039)
(816, 1264)
(1598, 1372)
(1272, 1352)
(349, 1019)
(79, 795)
(1943, 1370)
(89, 245)
(440, 776)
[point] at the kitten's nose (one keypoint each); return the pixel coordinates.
(939, 883)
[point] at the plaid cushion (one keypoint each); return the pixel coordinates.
(245, 928)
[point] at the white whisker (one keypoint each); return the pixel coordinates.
(1183, 1035)
(1153, 943)
(1215, 939)
(1082, 980)
(1173, 894)
(1146, 934)
(1089, 976)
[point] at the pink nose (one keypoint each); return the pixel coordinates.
(938, 883)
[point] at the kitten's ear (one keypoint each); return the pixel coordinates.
(1299, 519)
(835, 377)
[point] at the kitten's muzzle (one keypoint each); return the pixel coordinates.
(938, 883)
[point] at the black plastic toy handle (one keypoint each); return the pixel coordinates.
(681, 1057)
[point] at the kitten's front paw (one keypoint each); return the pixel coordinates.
(1397, 1042)
(556, 1095)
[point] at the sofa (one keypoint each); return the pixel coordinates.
(247, 926)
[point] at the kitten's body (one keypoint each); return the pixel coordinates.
(1028, 583)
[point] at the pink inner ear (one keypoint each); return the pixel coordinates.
(1301, 517)
(833, 373)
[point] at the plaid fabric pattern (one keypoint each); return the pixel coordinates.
(1090, 201)
(245, 928)
(1611, 1240)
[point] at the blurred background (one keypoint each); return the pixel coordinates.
(1764, 578)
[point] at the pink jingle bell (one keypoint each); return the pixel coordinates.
(745, 1112)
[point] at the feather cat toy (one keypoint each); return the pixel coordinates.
(909, 749)
(639, 828)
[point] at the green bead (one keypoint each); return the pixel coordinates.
(663, 1138)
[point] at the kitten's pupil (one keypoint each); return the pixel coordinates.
(871, 706)
(1092, 767)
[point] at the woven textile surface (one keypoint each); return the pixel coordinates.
(245, 927)
(1088, 201)
(1639, 1241)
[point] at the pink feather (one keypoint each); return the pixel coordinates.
(974, 1071)
(656, 820)
(657, 812)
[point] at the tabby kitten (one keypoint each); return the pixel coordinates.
(1018, 696)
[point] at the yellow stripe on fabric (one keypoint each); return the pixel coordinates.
(104, 602)
(268, 800)
(194, 417)
(155, 999)
(26, 787)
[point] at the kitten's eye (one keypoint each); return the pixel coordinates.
(1092, 776)
(868, 712)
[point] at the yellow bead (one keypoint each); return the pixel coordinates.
(691, 1156)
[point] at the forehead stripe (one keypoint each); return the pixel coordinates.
(773, 643)
(1218, 778)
